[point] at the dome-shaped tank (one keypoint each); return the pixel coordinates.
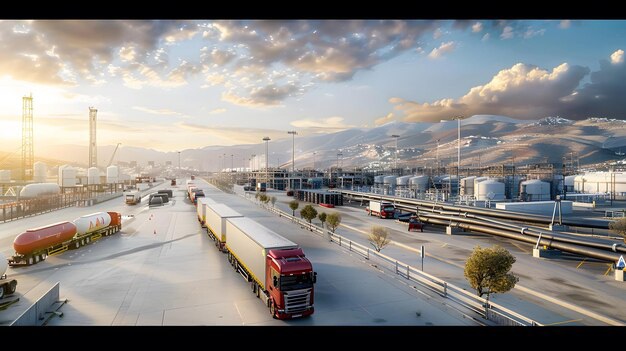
(113, 174)
(404, 180)
(39, 189)
(5, 176)
(419, 183)
(40, 172)
(390, 180)
(67, 176)
(379, 179)
(535, 190)
(467, 185)
(489, 189)
(93, 176)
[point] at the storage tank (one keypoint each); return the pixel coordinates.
(113, 174)
(67, 176)
(403, 181)
(40, 172)
(93, 176)
(601, 182)
(467, 185)
(389, 184)
(379, 179)
(534, 190)
(5, 176)
(40, 238)
(39, 189)
(91, 222)
(490, 189)
(419, 183)
(568, 182)
(478, 180)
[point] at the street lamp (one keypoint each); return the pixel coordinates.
(293, 153)
(395, 165)
(267, 177)
(231, 162)
(253, 158)
(438, 165)
(314, 153)
(458, 164)
(178, 162)
(338, 155)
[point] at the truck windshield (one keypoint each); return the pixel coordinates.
(389, 209)
(130, 197)
(295, 282)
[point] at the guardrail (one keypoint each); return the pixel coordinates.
(488, 310)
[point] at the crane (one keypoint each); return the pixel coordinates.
(114, 151)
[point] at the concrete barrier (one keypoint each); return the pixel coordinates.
(42, 309)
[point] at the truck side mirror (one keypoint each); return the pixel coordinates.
(275, 281)
(314, 277)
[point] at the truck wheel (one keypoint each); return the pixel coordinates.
(12, 287)
(272, 309)
(43, 257)
(2, 291)
(88, 240)
(30, 260)
(76, 245)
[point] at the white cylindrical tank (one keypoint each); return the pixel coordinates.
(91, 222)
(478, 180)
(113, 174)
(419, 183)
(39, 189)
(93, 176)
(569, 181)
(379, 179)
(40, 172)
(489, 190)
(390, 180)
(467, 185)
(404, 180)
(4, 264)
(5, 176)
(601, 182)
(535, 190)
(67, 176)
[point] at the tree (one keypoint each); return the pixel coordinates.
(333, 220)
(273, 200)
(378, 238)
(487, 270)
(322, 217)
(293, 205)
(263, 198)
(619, 227)
(308, 212)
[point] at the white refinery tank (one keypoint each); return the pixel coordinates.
(40, 172)
(569, 180)
(91, 222)
(489, 190)
(535, 190)
(4, 264)
(67, 176)
(113, 174)
(39, 189)
(478, 180)
(419, 183)
(467, 185)
(404, 180)
(378, 179)
(390, 180)
(93, 176)
(5, 176)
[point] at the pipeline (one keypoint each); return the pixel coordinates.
(524, 217)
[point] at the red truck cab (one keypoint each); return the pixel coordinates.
(289, 282)
(415, 224)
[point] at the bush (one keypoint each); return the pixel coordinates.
(487, 270)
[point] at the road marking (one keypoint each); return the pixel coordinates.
(557, 323)
(581, 263)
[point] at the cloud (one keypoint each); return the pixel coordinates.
(217, 111)
(486, 37)
(530, 32)
(233, 135)
(522, 91)
(162, 111)
(438, 33)
(507, 33)
(443, 49)
(383, 120)
(265, 96)
(324, 124)
(617, 57)
(477, 27)
(564, 24)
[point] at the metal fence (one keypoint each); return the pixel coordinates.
(488, 310)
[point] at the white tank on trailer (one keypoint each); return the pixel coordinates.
(91, 222)
(35, 190)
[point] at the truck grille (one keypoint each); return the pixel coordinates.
(297, 301)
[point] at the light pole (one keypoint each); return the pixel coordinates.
(179, 163)
(293, 153)
(314, 153)
(339, 154)
(267, 177)
(253, 158)
(395, 164)
(438, 165)
(231, 162)
(458, 164)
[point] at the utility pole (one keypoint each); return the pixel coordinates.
(179, 163)
(314, 153)
(267, 177)
(28, 153)
(458, 164)
(438, 165)
(338, 155)
(231, 162)
(293, 153)
(395, 164)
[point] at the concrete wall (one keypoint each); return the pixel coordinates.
(536, 207)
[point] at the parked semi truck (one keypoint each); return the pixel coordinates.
(133, 197)
(261, 186)
(216, 215)
(278, 272)
(382, 209)
(201, 209)
(34, 245)
(7, 286)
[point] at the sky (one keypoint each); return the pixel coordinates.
(173, 85)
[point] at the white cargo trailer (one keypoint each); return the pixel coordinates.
(201, 209)
(216, 215)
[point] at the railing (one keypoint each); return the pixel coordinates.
(488, 310)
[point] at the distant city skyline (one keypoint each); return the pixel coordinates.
(172, 85)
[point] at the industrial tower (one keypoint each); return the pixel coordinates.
(27, 138)
(93, 151)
